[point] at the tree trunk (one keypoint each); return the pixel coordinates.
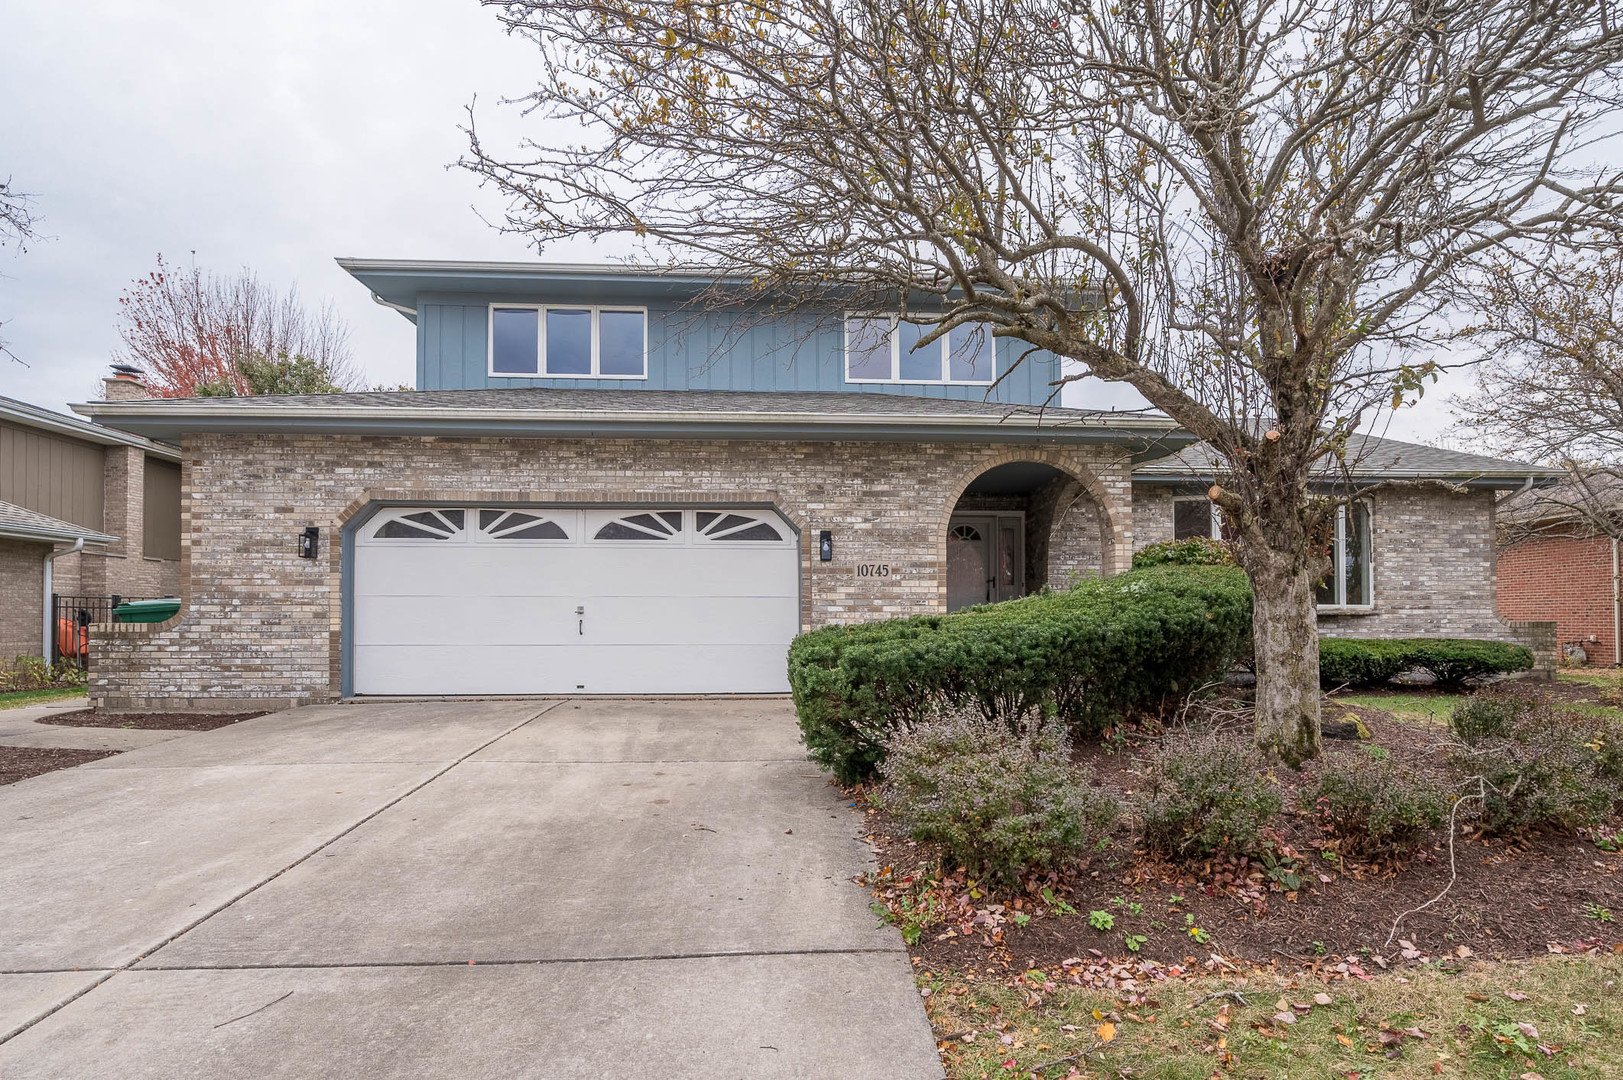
(1286, 634)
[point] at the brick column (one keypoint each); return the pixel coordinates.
(123, 512)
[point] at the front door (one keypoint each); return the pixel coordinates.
(985, 559)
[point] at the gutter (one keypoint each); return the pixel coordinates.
(1527, 485)
(146, 418)
(50, 558)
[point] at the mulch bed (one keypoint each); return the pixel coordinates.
(1522, 897)
(21, 762)
(147, 721)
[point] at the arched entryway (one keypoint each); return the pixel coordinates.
(1020, 526)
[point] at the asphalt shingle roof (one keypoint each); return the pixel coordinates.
(1370, 458)
(20, 522)
(589, 400)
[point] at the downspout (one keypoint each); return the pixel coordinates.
(411, 313)
(1617, 612)
(79, 545)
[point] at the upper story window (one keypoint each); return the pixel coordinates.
(885, 349)
(1351, 580)
(569, 342)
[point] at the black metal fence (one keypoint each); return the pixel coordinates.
(71, 617)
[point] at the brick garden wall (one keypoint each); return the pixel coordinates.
(1567, 580)
(259, 623)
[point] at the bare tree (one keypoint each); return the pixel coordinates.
(192, 332)
(18, 226)
(1247, 209)
(1554, 392)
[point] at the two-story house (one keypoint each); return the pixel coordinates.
(86, 513)
(609, 481)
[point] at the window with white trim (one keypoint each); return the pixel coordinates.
(1351, 580)
(885, 349)
(563, 341)
(1195, 518)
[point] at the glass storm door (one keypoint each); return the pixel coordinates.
(985, 559)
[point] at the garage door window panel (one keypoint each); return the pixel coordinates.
(665, 525)
(421, 525)
(719, 527)
(504, 525)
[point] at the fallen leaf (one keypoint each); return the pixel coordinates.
(1527, 1029)
(1284, 1018)
(1107, 1031)
(1579, 1010)
(1515, 995)
(1344, 1041)
(1323, 999)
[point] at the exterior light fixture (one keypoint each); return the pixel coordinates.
(310, 542)
(825, 545)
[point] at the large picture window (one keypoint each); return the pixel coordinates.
(885, 349)
(568, 342)
(1351, 580)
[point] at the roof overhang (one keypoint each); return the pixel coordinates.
(1479, 480)
(32, 416)
(44, 534)
(398, 282)
(1149, 436)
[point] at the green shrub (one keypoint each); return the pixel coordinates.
(1542, 767)
(1197, 551)
(996, 803)
(1486, 716)
(1451, 661)
(1085, 656)
(1375, 806)
(33, 673)
(1207, 794)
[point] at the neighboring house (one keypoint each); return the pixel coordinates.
(63, 480)
(1555, 564)
(604, 484)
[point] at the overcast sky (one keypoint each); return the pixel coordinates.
(270, 136)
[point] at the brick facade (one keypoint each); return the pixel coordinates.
(260, 623)
(1434, 563)
(22, 583)
(1567, 580)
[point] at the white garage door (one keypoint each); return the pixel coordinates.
(474, 600)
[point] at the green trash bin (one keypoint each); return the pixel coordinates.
(139, 611)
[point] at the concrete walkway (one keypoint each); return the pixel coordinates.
(559, 889)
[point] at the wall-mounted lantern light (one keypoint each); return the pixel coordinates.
(310, 542)
(825, 545)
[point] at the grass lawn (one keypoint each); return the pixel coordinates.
(1425, 708)
(1555, 1017)
(20, 698)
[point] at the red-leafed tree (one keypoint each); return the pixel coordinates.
(195, 333)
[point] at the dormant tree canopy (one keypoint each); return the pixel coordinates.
(1269, 201)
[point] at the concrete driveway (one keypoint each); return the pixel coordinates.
(559, 889)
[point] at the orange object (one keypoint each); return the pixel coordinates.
(71, 640)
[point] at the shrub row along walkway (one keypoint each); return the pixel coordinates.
(507, 889)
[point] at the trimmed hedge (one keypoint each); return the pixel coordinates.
(1085, 657)
(1451, 661)
(1196, 551)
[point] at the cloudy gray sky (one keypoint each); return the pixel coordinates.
(270, 136)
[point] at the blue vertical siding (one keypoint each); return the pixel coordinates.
(704, 350)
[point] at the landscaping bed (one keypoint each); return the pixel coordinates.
(21, 762)
(147, 721)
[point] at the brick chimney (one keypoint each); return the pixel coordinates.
(125, 385)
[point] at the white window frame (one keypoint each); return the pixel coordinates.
(1215, 522)
(944, 342)
(1338, 561)
(541, 340)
